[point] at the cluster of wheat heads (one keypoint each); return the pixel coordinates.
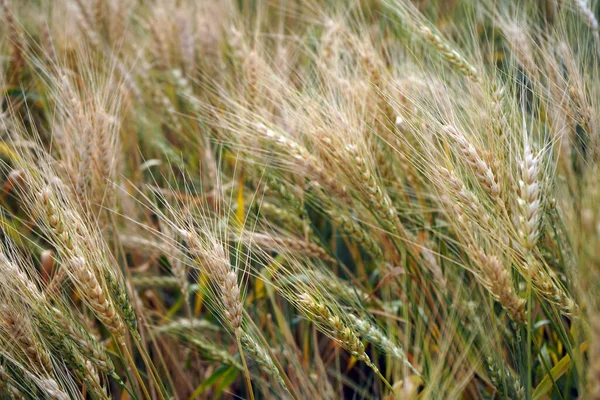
(299, 199)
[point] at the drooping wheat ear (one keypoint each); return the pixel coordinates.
(215, 264)
(212, 352)
(251, 66)
(91, 290)
(462, 200)
(588, 15)
(63, 345)
(162, 100)
(87, 344)
(371, 65)
(505, 381)
(161, 48)
(357, 232)
(284, 216)
(179, 269)
(287, 244)
(86, 24)
(500, 285)
(25, 338)
(121, 298)
(84, 173)
(183, 325)
(341, 333)
(47, 42)
(208, 349)
(484, 174)
(499, 120)
(307, 161)
(99, 15)
(451, 55)
(16, 40)
(528, 200)
(262, 358)
(342, 288)
(377, 196)
(550, 291)
(28, 284)
(187, 48)
(520, 44)
(230, 291)
(92, 378)
(50, 388)
(593, 376)
(382, 207)
(54, 220)
(376, 337)
(186, 90)
(89, 287)
(7, 388)
(156, 282)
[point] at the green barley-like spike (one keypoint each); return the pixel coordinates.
(213, 352)
(344, 335)
(378, 338)
(155, 282)
(262, 359)
(504, 380)
(7, 389)
(84, 369)
(122, 299)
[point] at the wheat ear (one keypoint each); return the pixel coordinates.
(529, 202)
(341, 333)
(262, 358)
(500, 285)
(376, 337)
(484, 174)
(451, 55)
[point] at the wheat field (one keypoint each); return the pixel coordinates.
(299, 199)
